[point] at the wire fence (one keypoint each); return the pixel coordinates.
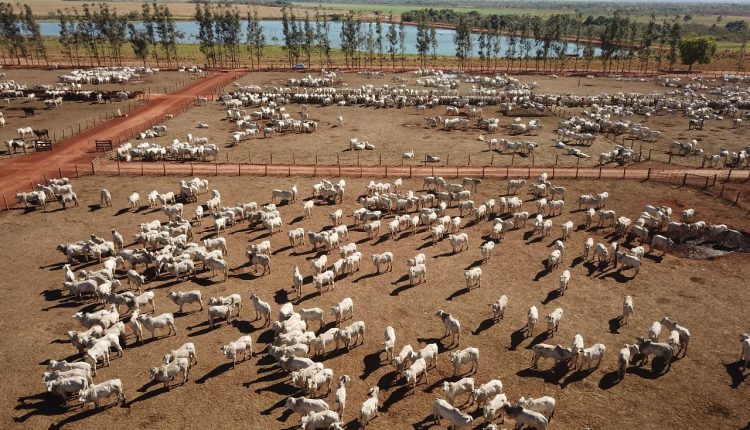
(720, 183)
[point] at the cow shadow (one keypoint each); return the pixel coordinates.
(269, 376)
(148, 394)
(516, 338)
(736, 373)
(609, 380)
(217, 371)
(94, 207)
(541, 274)
(85, 413)
(552, 375)
(372, 363)
(534, 240)
(474, 264)
(617, 276)
(401, 289)
(306, 297)
(541, 337)
(551, 295)
(366, 276)
(615, 324)
(591, 266)
(397, 394)
(578, 375)
(46, 404)
(122, 211)
(425, 245)
(388, 379)
(243, 326)
(280, 250)
(483, 326)
(458, 293)
(576, 261)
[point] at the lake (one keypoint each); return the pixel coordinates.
(274, 36)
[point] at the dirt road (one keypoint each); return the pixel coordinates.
(17, 172)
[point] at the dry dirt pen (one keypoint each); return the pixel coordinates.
(76, 116)
(707, 296)
(397, 131)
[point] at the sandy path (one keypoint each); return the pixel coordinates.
(18, 172)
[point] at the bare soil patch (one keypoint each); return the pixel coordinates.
(74, 116)
(707, 296)
(397, 131)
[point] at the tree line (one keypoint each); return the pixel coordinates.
(97, 35)
(554, 42)
(20, 37)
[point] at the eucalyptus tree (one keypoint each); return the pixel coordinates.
(423, 41)
(462, 40)
(402, 42)
(675, 35)
(256, 40)
(308, 37)
(379, 38)
(433, 44)
(392, 37)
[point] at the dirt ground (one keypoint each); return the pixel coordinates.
(64, 121)
(707, 296)
(397, 131)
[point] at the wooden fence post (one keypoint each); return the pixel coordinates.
(266, 172)
(410, 171)
(6, 203)
(59, 171)
(93, 171)
(492, 160)
(76, 166)
(553, 170)
(684, 179)
(141, 168)
(239, 169)
(118, 168)
(737, 198)
(648, 175)
(600, 172)
(163, 168)
(448, 159)
(469, 162)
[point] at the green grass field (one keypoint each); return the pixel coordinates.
(538, 11)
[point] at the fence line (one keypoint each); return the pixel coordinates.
(680, 178)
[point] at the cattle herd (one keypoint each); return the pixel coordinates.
(265, 111)
(300, 344)
(114, 281)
